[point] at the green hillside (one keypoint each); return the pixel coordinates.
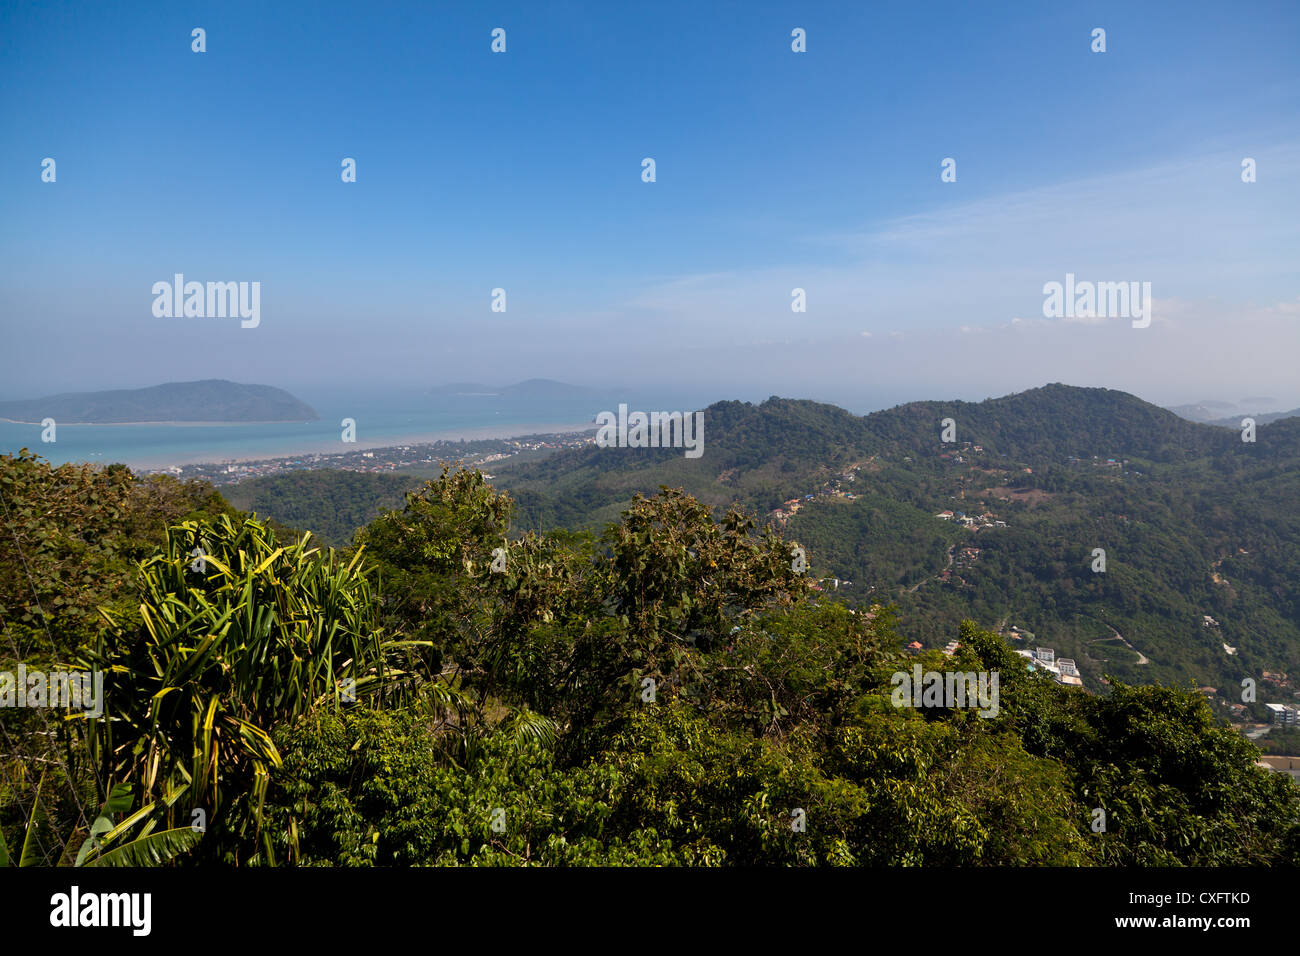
(1193, 521)
(330, 503)
(451, 692)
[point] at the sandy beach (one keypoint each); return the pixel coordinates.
(338, 447)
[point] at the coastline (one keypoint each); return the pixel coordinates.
(477, 433)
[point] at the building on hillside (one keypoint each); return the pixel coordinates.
(1283, 715)
(1063, 671)
(1050, 669)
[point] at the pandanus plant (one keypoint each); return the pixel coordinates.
(103, 847)
(235, 634)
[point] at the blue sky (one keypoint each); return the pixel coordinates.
(522, 170)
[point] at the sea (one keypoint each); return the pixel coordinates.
(383, 418)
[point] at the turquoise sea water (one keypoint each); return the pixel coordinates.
(381, 419)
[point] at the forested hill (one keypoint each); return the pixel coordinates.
(761, 455)
(679, 694)
(756, 455)
(211, 400)
(1194, 522)
(1055, 422)
(330, 503)
(1200, 530)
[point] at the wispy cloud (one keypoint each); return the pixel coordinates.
(1190, 227)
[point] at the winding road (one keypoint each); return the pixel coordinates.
(1142, 658)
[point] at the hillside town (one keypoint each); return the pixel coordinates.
(972, 522)
(832, 490)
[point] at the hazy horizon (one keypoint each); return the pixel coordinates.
(775, 170)
(859, 401)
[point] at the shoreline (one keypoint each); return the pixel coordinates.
(332, 448)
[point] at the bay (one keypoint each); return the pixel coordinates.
(383, 417)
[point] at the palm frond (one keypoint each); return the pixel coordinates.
(152, 850)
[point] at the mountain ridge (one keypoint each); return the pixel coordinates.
(1200, 531)
(1194, 522)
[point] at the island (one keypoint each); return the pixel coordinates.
(211, 401)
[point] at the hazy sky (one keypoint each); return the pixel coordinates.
(775, 170)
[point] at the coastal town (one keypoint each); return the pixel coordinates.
(427, 455)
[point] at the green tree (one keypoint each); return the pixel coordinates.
(237, 632)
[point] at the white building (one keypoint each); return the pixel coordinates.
(1284, 715)
(1069, 673)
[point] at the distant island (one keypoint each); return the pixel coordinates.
(212, 401)
(1229, 415)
